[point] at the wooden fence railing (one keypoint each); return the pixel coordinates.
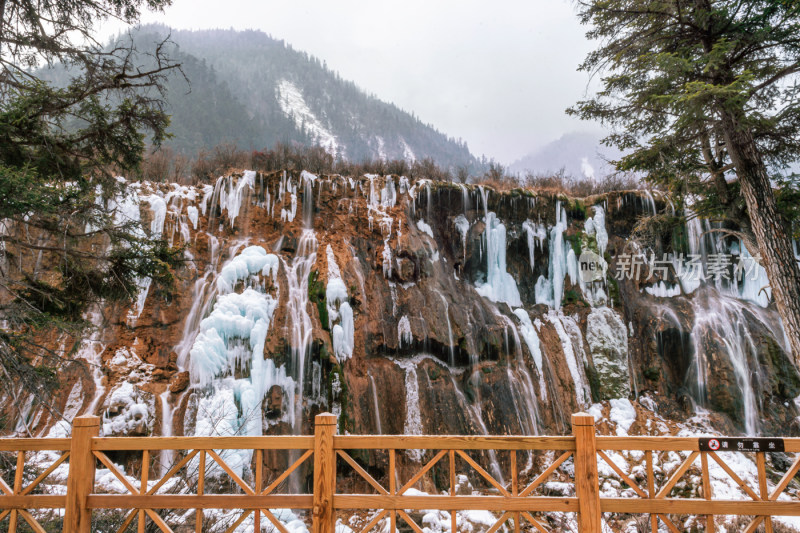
(516, 503)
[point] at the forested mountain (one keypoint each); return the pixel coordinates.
(248, 88)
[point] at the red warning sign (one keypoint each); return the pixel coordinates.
(731, 444)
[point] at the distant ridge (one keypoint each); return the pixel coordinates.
(579, 154)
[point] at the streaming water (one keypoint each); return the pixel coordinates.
(725, 307)
(475, 410)
(726, 323)
(297, 273)
(92, 350)
(521, 383)
(375, 404)
(450, 345)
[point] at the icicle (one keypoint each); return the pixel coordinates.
(233, 201)
(404, 336)
(251, 260)
(191, 212)
(500, 286)
(575, 366)
(388, 194)
(599, 226)
(231, 343)
(534, 347)
(550, 291)
(533, 232)
(208, 190)
(159, 208)
(462, 226)
(425, 228)
(662, 290)
(343, 334)
(339, 309)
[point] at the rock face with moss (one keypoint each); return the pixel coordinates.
(607, 337)
(425, 308)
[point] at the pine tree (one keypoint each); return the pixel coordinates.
(702, 89)
(72, 113)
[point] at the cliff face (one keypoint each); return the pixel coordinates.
(418, 307)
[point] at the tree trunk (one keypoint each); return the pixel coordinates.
(2, 22)
(771, 230)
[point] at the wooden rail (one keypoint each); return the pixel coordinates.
(517, 502)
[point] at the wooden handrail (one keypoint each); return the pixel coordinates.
(511, 499)
(277, 442)
(34, 445)
(451, 442)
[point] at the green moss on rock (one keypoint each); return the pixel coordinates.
(653, 373)
(316, 293)
(786, 381)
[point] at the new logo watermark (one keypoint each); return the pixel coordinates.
(591, 267)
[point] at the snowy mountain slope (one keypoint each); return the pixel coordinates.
(289, 96)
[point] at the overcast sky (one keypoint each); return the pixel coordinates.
(497, 74)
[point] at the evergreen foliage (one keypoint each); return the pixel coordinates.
(61, 248)
(670, 68)
(703, 94)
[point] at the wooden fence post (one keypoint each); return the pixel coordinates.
(586, 481)
(80, 481)
(324, 520)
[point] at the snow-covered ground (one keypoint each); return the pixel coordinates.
(619, 416)
(293, 104)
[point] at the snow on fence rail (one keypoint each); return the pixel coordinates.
(514, 504)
